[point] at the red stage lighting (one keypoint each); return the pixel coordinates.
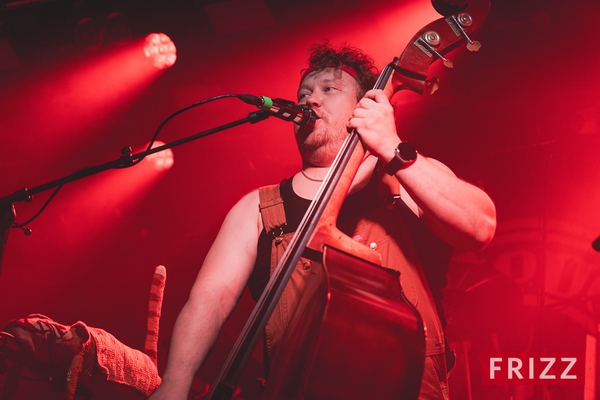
(161, 49)
(163, 160)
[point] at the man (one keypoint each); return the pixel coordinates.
(456, 212)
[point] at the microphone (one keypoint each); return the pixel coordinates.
(286, 110)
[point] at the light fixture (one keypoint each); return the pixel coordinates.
(88, 34)
(161, 50)
(117, 29)
(162, 160)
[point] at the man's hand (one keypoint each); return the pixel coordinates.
(373, 118)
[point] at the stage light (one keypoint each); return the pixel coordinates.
(117, 29)
(89, 34)
(163, 160)
(161, 50)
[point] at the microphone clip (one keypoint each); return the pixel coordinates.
(286, 110)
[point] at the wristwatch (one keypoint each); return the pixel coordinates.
(405, 154)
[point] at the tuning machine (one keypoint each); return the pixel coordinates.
(427, 43)
(432, 85)
(460, 21)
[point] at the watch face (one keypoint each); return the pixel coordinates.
(407, 151)
(405, 155)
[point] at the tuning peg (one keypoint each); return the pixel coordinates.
(460, 21)
(432, 85)
(447, 63)
(474, 46)
(427, 43)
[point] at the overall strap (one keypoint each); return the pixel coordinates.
(271, 210)
(389, 187)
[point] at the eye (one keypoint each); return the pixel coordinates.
(329, 89)
(302, 96)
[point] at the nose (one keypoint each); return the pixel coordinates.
(313, 100)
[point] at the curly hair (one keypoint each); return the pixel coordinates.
(324, 55)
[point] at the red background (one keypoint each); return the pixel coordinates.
(519, 118)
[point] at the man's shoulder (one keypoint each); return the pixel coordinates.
(254, 198)
(248, 199)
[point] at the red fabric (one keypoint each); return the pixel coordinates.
(345, 68)
(124, 365)
(78, 354)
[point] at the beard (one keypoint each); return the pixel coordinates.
(319, 144)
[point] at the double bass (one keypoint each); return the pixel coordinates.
(353, 334)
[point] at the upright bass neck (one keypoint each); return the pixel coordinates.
(335, 188)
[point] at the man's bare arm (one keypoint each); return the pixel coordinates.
(458, 212)
(215, 292)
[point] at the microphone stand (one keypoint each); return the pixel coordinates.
(126, 160)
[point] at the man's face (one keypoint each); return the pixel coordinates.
(333, 95)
